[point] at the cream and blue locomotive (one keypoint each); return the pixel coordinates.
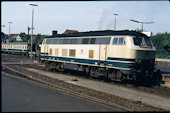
(118, 55)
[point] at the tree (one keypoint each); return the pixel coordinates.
(138, 30)
(161, 40)
(12, 40)
(2, 37)
(38, 40)
(24, 37)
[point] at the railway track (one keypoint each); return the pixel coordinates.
(157, 90)
(106, 98)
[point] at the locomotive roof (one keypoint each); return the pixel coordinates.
(99, 33)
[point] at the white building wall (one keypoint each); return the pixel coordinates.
(18, 38)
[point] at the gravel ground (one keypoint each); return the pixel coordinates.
(156, 90)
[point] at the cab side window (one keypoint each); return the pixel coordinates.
(115, 40)
(119, 41)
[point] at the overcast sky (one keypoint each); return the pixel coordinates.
(85, 16)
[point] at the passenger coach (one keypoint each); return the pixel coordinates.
(118, 55)
(15, 47)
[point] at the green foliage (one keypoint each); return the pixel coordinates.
(38, 40)
(138, 30)
(160, 40)
(12, 40)
(24, 37)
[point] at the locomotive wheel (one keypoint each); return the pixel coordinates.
(92, 71)
(60, 67)
(87, 71)
(96, 72)
(157, 77)
(110, 74)
(120, 76)
(47, 65)
(57, 67)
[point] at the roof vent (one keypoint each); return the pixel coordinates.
(54, 33)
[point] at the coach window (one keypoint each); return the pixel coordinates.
(115, 40)
(80, 40)
(74, 41)
(97, 41)
(51, 41)
(92, 40)
(48, 41)
(66, 41)
(85, 41)
(54, 41)
(105, 40)
(60, 41)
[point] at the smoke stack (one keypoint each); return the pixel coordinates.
(54, 32)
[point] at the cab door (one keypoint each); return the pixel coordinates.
(45, 51)
(102, 54)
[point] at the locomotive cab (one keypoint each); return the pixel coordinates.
(144, 66)
(144, 48)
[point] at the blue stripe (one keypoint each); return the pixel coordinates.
(119, 64)
(87, 61)
(126, 71)
(19, 50)
(120, 59)
(44, 53)
(3, 49)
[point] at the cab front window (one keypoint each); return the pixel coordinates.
(142, 41)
